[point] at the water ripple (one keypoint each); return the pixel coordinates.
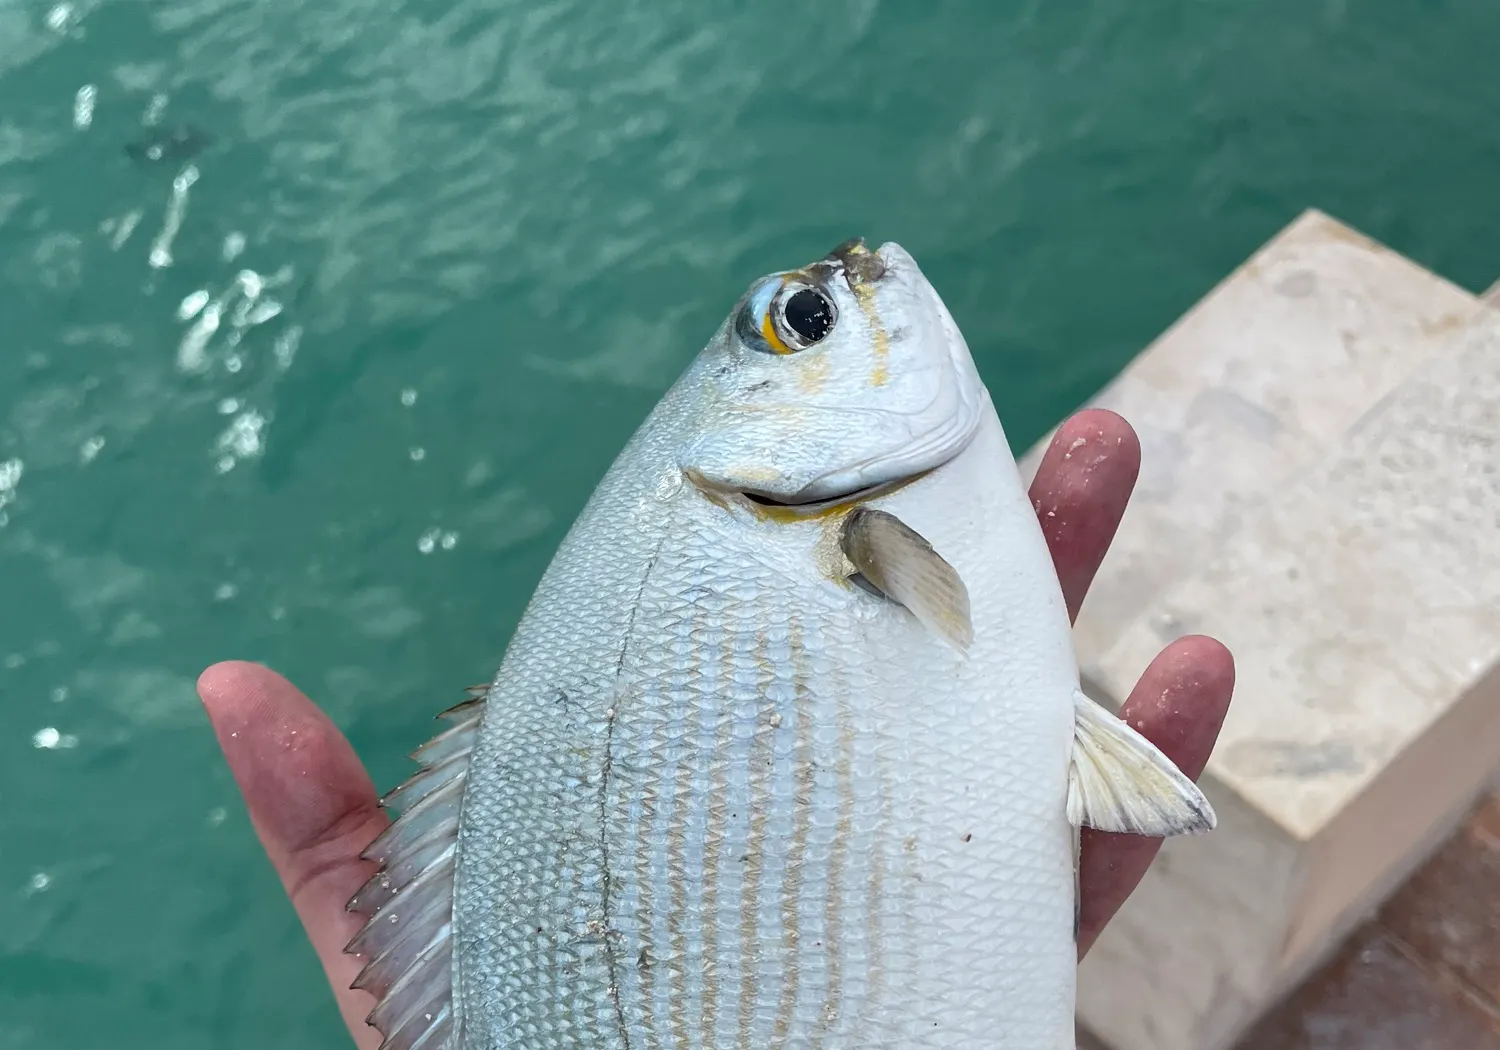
(322, 319)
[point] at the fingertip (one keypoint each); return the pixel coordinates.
(241, 684)
(1083, 443)
(1182, 699)
(214, 676)
(246, 701)
(296, 770)
(1211, 666)
(1080, 493)
(1195, 667)
(1212, 651)
(1104, 427)
(1099, 429)
(231, 680)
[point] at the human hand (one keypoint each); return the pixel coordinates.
(1080, 491)
(315, 809)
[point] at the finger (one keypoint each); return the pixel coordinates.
(1080, 492)
(1179, 705)
(312, 804)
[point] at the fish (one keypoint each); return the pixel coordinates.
(788, 748)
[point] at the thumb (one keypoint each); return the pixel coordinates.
(312, 804)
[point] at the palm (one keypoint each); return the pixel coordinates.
(315, 809)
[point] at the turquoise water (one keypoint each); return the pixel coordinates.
(324, 383)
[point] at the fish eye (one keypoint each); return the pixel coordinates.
(809, 314)
(783, 315)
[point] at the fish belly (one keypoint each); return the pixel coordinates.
(721, 801)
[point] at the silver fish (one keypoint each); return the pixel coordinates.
(788, 749)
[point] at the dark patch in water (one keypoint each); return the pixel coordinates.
(169, 145)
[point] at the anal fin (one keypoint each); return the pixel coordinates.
(406, 944)
(1121, 782)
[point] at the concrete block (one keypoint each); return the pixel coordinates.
(1363, 603)
(1321, 489)
(1253, 384)
(1423, 972)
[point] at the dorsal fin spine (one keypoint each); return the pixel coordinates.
(407, 940)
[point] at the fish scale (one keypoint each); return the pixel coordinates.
(723, 795)
(769, 962)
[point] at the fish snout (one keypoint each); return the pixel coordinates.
(861, 265)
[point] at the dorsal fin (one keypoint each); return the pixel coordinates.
(406, 944)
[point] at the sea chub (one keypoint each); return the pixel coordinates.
(788, 749)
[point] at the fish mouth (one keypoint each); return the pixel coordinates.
(821, 503)
(790, 507)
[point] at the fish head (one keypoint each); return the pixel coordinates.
(843, 377)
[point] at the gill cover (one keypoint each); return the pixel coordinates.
(839, 377)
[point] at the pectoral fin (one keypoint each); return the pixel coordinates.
(1121, 782)
(895, 560)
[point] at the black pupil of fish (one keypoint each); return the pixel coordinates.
(808, 314)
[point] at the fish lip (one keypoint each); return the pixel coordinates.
(822, 503)
(921, 455)
(761, 501)
(765, 500)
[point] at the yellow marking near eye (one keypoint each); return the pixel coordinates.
(879, 374)
(768, 330)
(812, 373)
(864, 294)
